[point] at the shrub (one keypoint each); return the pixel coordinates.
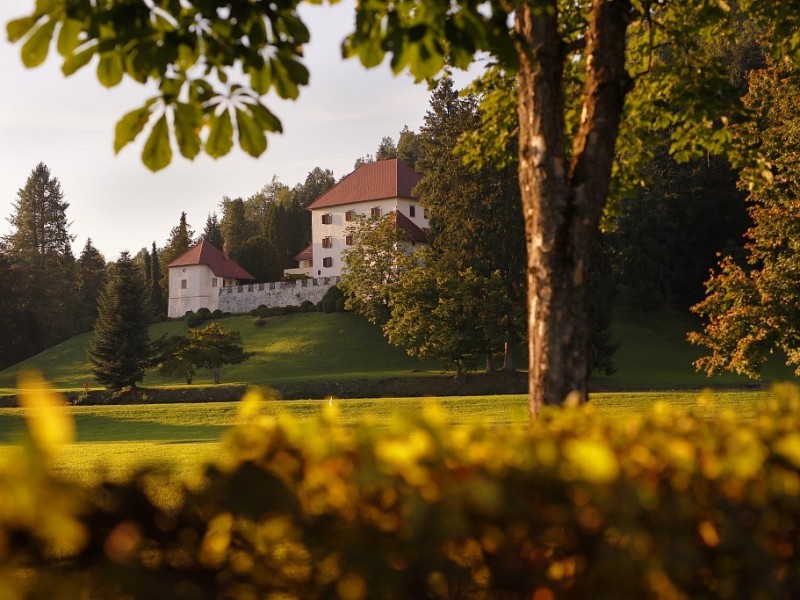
(268, 311)
(328, 305)
(308, 306)
(217, 314)
(581, 506)
(340, 304)
(193, 319)
(259, 322)
(334, 292)
(204, 313)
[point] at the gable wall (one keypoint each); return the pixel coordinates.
(336, 230)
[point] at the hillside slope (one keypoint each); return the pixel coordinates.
(290, 349)
(323, 350)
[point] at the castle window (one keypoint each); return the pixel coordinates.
(327, 219)
(375, 212)
(327, 261)
(327, 242)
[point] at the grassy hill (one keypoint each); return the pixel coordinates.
(654, 355)
(324, 353)
(297, 348)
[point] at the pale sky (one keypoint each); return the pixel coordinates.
(68, 123)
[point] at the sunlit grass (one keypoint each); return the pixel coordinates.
(112, 441)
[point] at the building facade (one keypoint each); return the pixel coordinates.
(197, 277)
(373, 190)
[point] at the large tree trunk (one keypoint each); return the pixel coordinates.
(562, 203)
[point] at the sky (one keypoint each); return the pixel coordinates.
(68, 123)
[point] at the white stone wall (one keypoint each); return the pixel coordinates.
(336, 230)
(244, 298)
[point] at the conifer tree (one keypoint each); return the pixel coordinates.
(236, 227)
(213, 231)
(40, 249)
(120, 350)
(156, 292)
(91, 279)
(40, 221)
(474, 215)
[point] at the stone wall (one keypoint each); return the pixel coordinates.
(244, 298)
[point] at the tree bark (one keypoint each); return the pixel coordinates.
(489, 362)
(562, 203)
(508, 357)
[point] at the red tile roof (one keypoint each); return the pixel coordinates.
(204, 253)
(371, 181)
(403, 222)
(306, 253)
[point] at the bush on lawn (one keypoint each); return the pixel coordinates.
(582, 506)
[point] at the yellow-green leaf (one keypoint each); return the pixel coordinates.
(69, 36)
(110, 69)
(34, 52)
(17, 28)
(157, 152)
(789, 447)
(251, 136)
(592, 460)
(129, 126)
(187, 129)
(49, 422)
(75, 61)
(220, 136)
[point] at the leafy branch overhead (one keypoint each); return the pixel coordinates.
(189, 50)
(192, 49)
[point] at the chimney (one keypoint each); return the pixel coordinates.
(225, 250)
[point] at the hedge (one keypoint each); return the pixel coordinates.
(579, 506)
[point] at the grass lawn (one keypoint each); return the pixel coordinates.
(303, 349)
(295, 348)
(117, 439)
(654, 355)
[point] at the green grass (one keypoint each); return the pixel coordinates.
(295, 348)
(654, 355)
(307, 348)
(114, 440)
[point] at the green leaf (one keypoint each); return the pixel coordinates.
(77, 61)
(251, 136)
(17, 28)
(220, 136)
(129, 126)
(110, 69)
(157, 152)
(187, 129)
(34, 52)
(265, 118)
(261, 78)
(69, 36)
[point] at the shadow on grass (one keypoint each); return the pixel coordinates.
(96, 428)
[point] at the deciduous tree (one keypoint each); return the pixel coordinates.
(378, 256)
(211, 347)
(751, 307)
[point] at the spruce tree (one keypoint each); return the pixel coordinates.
(39, 247)
(91, 279)
(157, 298)
(213, 231)
(120, 350)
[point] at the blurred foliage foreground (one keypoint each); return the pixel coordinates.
(579, 506)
